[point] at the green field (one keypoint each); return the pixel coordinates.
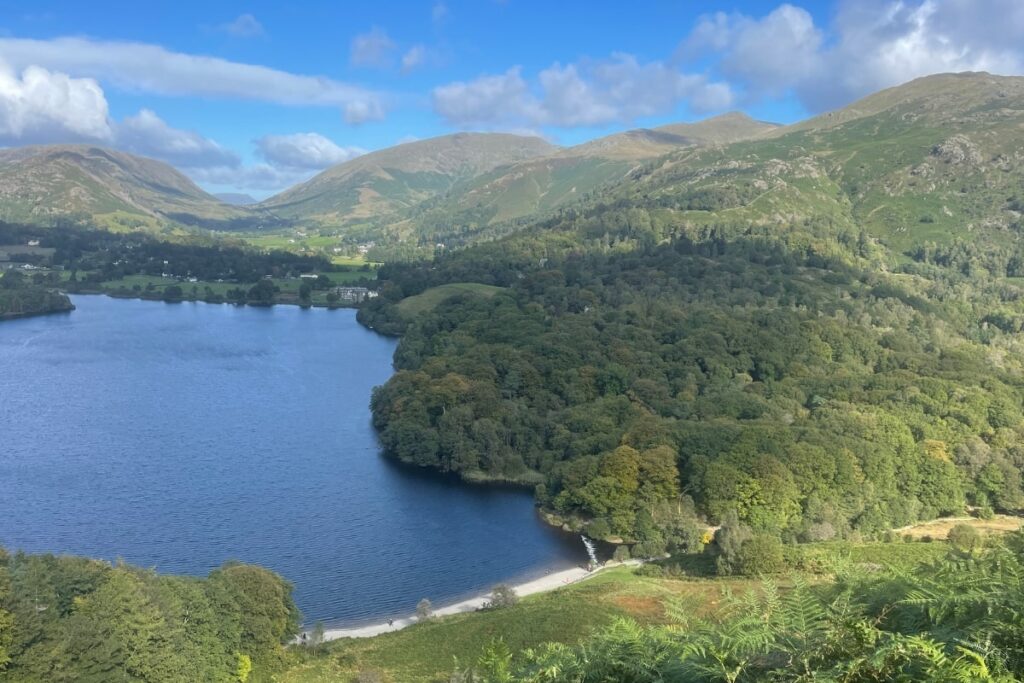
(316, 244)
(428, 300)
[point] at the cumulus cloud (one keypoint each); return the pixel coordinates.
(869, 45)
(149, 68)
(373, 49)
(304, 151)
(39, 105)
(244, 26)
(149, 135)
(617, 90)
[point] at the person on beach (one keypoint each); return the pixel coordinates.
(391, 622)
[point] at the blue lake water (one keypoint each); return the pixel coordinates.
(179, 436)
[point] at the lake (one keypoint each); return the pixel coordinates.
(180, 436)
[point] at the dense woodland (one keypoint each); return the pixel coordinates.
(22, 296)
(651, 376)
(76, 619)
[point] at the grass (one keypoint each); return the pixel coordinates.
(939, 528)
(428, 300)
(426, 652)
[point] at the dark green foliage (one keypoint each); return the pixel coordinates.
(761, 555)
(72, 619)
(771, 370)
(22, 296)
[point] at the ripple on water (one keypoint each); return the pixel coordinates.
(179, 436)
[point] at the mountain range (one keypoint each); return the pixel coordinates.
(935, 155)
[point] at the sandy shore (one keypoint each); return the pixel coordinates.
(543, 584)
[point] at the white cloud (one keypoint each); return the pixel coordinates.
(244, 26)
(373, 49)
(257, 178)
(616, 90)
(149, 68)
(149, 135)
(362, 111)
(870, 45)
(304, 151)
(413, 58)
(38, 105)
(769, 53)
(439, 12)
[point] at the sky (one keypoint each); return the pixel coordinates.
(256, 96)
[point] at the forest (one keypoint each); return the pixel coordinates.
(22, 296)
(66, 618)
(649, 377)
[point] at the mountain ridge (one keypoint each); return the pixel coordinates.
(44, 182)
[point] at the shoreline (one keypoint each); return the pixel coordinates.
(199, 300)
(543, 584)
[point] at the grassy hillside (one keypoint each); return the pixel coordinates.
(501, 201)
(86, 183)
(383, 182)
(430, 299)
(932, 160)
(432, 650)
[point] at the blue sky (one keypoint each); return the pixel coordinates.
(254, 96)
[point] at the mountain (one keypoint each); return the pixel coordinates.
(510, 194)
(721, 130)
(236, 198)
(396, 178)
(43, 183)
(933, 160)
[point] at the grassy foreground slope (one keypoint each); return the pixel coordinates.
(568, 626)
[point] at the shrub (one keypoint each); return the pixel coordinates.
(730, 538)
(503, 595)
(762, 554)
(621, 553)
(965, 538)
(654, 571)
(649, 549)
